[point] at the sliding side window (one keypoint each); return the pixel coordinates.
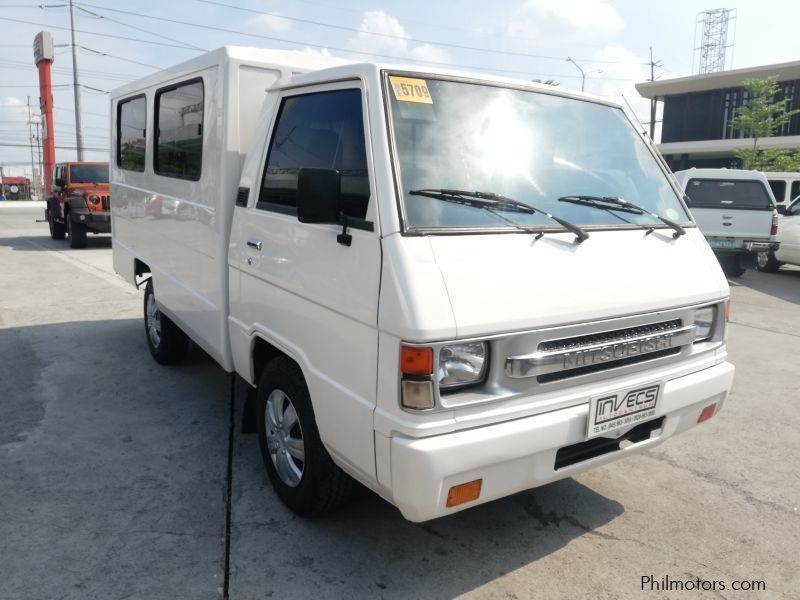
(179, 130)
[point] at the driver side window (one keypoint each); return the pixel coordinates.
(323, 130)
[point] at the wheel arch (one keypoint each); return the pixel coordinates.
(263, 352)
(141, 268)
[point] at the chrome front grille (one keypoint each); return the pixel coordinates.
(608, 336)
(562, 358)
(585, 370)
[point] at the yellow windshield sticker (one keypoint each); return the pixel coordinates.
(408, 89)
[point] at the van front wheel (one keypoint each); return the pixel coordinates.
(731, 266)
(166, 341)
(302, 472)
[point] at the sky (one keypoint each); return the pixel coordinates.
(527, 39)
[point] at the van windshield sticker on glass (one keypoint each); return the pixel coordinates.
(408, 89)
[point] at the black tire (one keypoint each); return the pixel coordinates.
(731, 266)
(56, 229)
(321, 486)
(167, 343)
(766, 262)
(76, 232)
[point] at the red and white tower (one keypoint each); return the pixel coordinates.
(43, 57)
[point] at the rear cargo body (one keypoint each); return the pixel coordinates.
(371, 263)
(180, 227)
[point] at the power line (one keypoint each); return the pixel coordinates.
(70, 109)
(293, 42)
(135, 62)
(36, 86)
(7, 145)
(187, 45)
(312, 45)
(107, 35)
(396, 37)
(91, 73)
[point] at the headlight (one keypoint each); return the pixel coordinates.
(94, 198)
(462, 364)
(703, 323)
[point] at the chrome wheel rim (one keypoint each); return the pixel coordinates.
(762, 258)
(285, 438)
(153, 317)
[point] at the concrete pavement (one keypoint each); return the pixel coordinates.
(114, 479)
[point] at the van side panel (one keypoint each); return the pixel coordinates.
(173, 225)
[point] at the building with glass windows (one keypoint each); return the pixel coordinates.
(696, 128)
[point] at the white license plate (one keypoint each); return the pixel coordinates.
(722, 243)
(618, 410)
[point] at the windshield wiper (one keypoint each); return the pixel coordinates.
(622, 206)
(491, 201)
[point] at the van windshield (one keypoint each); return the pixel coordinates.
(88, 173)
(726, 193)
(527, 145)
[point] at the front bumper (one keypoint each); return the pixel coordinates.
(97, 221)
(520, 454)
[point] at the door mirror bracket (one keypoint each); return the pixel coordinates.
(344, 238)
(318, 198)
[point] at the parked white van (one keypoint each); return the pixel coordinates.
(440, 284)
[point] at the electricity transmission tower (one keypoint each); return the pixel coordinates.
(713, 44)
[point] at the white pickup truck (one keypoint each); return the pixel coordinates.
(735, 210)
(449, 287)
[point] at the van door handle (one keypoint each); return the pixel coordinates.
(254, 244)
(727, 224)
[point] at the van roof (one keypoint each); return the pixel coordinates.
(317, 67)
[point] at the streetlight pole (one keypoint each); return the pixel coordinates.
(583, 73)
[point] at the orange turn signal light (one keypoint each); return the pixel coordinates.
(707, 413)
(416, 361)
(465, 492)
(727, 310)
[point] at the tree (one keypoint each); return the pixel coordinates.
(762, 116)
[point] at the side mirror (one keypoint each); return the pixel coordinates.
(781, 209)
(318, 193)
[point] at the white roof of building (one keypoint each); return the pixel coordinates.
(719, 80)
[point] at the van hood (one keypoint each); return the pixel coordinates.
(511, 282)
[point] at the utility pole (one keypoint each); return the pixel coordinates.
(76, 86)
(30, 134)
(653, 66)
(39, 156)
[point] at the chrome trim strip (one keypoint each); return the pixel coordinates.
(540, 363)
